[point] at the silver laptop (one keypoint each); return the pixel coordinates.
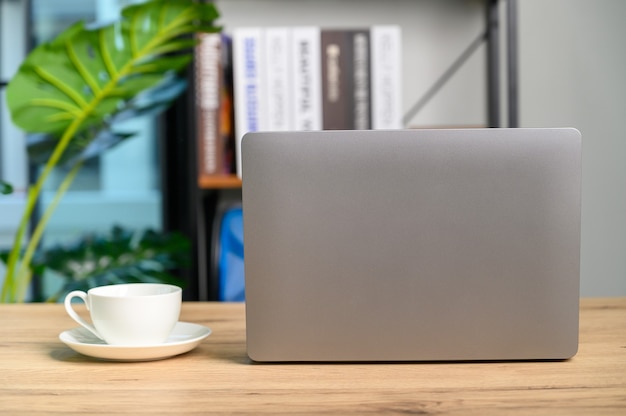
(412, 245)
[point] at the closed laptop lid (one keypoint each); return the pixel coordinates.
(412, 245)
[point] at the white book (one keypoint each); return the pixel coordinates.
(208, 74)
(306, 78)
(386, 77)
(248, 85)
(361, 84)
(276, 88)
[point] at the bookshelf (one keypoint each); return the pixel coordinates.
(220, 182)
(190, 204)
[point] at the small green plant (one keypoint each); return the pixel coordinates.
(120, 256)
(73, 89)
(5, 188)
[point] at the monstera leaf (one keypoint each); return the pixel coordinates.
(86, 144)
(95, 140)
(87, 74)
(75, 87)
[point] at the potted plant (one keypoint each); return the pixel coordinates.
(72, 90)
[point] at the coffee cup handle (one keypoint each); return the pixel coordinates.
(70, 310)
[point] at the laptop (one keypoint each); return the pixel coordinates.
(412, 245)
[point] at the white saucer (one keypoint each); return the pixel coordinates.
(184, 337)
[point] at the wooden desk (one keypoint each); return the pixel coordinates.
(40, 375)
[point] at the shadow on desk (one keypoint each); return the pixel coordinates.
(206, 351)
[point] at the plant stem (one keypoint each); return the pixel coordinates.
(8, 288)
(20, 292)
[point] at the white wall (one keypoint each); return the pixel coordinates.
(573, 73)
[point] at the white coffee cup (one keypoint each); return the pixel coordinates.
(134, 314)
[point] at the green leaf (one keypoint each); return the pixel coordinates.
(89, 73)
(93, 142)
(5, 188)
(121, 256)
(41, 145)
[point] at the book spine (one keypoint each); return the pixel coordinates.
(227, 110)
(277, 98)
(386, 61)
(247, 78)
(336, 68)
(361, 109)
(306, 78)
(208, 76)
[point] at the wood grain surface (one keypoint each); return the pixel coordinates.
(40, 375)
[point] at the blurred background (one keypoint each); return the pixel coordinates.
(571, 67)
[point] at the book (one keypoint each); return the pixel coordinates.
(337, 79)
(361, 85)
(313, 78)
(276, 76)
(346, 79)
(227, 109)
(247, 78)
(386, 74)
(306, 78)
(208, 83)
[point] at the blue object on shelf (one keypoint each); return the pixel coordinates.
(231, 270)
